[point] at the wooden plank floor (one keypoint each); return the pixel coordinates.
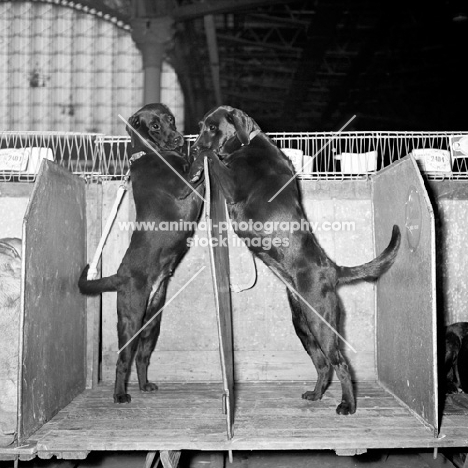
(177, 416)
(269, 416)
(274, 416)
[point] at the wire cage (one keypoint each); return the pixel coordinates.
(343, 155)
(353, 155)
(327, 155)
(22, 152)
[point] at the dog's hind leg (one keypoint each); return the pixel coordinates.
(328, 339)
(317, 288)
(131, 305)
(312, 348)
(333, 353)
(149, 336)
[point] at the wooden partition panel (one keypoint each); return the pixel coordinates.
(53, 351)
(406, 298)
(217, 219)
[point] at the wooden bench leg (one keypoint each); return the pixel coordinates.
(350, 452)
(149, 460)
(217, 460)
(170, 458)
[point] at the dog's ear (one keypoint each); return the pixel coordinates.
(239, 120)
(133, 123)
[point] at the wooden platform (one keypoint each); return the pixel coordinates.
(268, 416)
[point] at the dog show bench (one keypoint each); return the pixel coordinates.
(228, 364)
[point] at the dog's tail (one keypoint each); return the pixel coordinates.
(93, 287)
(372, 270)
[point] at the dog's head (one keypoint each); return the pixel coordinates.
(155, 123)
(225, 129)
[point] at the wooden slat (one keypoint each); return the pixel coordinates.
(335, 189)
(174, 365)
(16, 190)
(149, 459)
(268, 365)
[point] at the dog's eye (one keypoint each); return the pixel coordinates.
(212, 128)
(155, 126)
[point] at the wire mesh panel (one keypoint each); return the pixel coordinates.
(22, 152)
(329, 156)
(344, 155)
(349, 155)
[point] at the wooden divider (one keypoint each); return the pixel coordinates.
(53, 319)
(216, 217)
(406, 295)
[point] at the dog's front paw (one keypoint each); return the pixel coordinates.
(451, 388)
(149, 387)
(122, 398)
(345, 408)
(312, 395)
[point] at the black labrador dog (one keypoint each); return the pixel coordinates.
(456, 357)
(251, 170)
(160, 195)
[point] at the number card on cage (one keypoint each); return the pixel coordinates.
(14, 159)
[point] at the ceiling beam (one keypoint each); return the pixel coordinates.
(263, 44)
(215, 7)
(238, 82)
(210, 32)
(252, 65)
(271, 21)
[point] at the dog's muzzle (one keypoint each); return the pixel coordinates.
(178, 141)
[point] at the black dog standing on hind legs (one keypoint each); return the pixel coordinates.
(141, 281)
(251, 171)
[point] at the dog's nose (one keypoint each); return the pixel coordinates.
(178, 140)
(195, 151)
